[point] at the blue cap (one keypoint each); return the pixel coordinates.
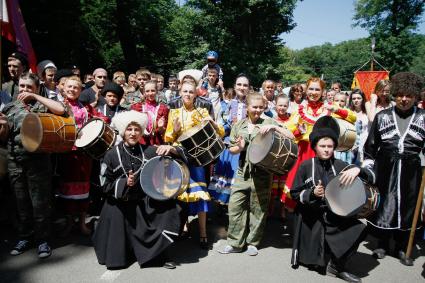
(213, 54)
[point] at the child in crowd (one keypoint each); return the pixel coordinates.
(340, 100)
(212, 58)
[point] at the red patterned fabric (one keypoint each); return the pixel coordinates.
(304, 152)
(156, 137)
(75, 170)
(367, 80)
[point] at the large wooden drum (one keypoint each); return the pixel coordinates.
(273, 152)
(356, 200)
(96, 138)
(164, 178)
(202, 143)
(345, 130)
(44, 132)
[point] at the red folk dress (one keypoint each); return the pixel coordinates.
(155, 112)
(75, 167)
(301, 125)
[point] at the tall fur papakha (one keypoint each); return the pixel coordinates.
(123, 119)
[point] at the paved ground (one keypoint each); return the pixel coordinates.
(73, 260)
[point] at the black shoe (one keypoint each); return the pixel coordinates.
(405, 260)
(346, 276)
(169, 265)
(379, 253)
(203, 243)
(44, 250)
(20, 247)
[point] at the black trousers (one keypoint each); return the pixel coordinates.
(384, 236)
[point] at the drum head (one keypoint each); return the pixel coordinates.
(192, 131)
(31, 132)
(345, 200)
(259, 147)
(161, 178)
(89, 132)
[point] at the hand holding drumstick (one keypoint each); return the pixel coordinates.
(319, 190)
(130, 179)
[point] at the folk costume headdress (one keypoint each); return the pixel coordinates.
(123, 119)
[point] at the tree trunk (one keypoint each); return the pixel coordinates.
(124, 33)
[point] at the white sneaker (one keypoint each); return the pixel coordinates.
(252, 250)
(229, 250)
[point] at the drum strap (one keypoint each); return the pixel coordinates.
(288, 152)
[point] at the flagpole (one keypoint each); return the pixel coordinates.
(373, 50)
(1, 56)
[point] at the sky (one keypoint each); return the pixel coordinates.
(325, 21)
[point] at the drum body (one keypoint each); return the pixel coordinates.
(347, 135)
(95, 138)
(164, 178)
(273, 152)
(358, 199)
(345, 130)
(202, 144)
(44, 132)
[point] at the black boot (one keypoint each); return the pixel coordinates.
(408, 261)
(332, 270)
(381, 250)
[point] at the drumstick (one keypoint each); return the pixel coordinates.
(415, 217)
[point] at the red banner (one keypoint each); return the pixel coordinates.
(13, 29)
(366, 80)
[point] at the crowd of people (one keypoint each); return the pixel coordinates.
(150, 120)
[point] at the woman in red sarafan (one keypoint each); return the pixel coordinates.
(157, 115)
(75, 167)
(301, 125)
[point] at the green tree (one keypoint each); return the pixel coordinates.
(418, 62)
(392, 23)
(335, 62)
(245, 33)
(287, 70)
(114, 34)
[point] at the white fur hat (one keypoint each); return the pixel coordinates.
(123, 119)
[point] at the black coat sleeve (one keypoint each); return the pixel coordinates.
(302, 188)
(113, 182)
(372, 143)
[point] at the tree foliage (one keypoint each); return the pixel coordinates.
(335, 62)
(160, 35)
(245, 32)
(392, 23)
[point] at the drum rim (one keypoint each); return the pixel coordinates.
(96, 139)
(24, 137)
(197, 127)
(268, 148)
(178, 192)
(354, 212)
